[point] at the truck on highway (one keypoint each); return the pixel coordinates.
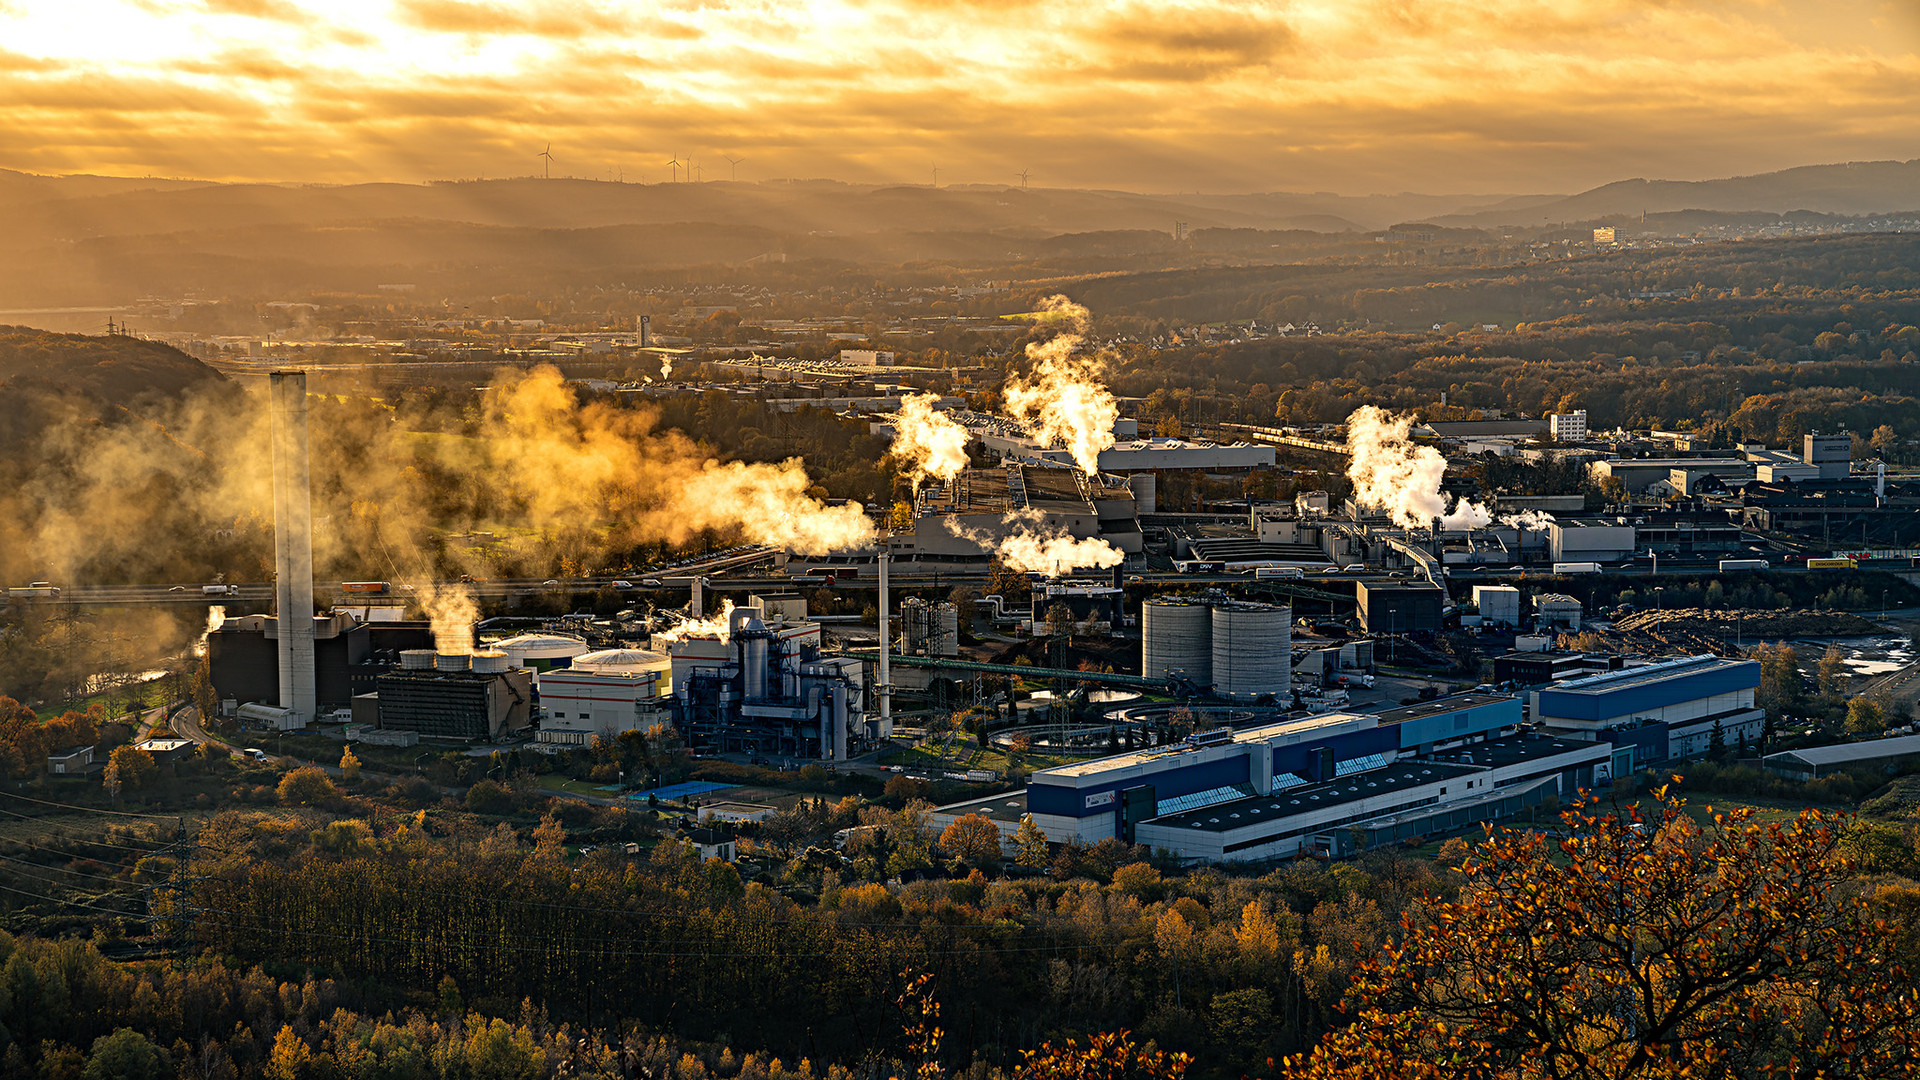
(1270, 573)
(39, 590)
(1576, 568)
(220, 590)
(366, 588)
(1727, 565)
(1831, 564)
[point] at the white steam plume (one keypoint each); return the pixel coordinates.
(451, 612)
(1063, 402)
(666, 367)
(1029, 549)
(928, 441)
(1391, 472)
(1529, 520)
(720, 626)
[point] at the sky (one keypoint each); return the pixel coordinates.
(1350, 96)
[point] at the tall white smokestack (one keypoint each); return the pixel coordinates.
(293, 542)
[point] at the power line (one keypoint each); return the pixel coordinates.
(92, 809)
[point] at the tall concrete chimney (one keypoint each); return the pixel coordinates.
(293, 543)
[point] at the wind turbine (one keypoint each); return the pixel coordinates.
(936, 175)
(1023, 174)
(733, 165)
(676, 168)
(546, 165)
(699, 173)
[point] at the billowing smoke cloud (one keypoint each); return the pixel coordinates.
(1392, 473)
(929, 442)
(666, 368)
(1031, 547)
(1063, 402)
(564, 483)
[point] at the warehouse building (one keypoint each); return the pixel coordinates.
(1330, 784)
(1873, 755)
(1663, 710)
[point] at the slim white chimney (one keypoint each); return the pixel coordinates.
(293, 542)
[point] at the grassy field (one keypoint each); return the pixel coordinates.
(968, 755)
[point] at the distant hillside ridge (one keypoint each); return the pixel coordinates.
(113, 368)
(1860, 188)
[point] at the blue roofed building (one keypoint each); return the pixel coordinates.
(1658, 711)
(1332, 784)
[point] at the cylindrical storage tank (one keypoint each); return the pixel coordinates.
(453, 661)
(417, 659)
(541, 652)
(1176, 635)
(947, 641)
(1252, 650)
(490, 661)
(753, 662)
(1145, 488)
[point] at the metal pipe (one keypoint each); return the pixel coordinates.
(886, 680)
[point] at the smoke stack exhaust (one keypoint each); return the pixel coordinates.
(293, 542)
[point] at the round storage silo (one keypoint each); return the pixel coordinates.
(1252, 650)
(1176, 635)
(489, 661)
(1145, 492)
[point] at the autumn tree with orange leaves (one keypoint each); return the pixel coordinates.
(1631, 945)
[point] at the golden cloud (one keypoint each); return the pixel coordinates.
(1507, 95)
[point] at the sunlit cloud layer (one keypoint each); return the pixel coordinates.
(1367, 95)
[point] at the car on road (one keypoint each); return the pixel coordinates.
(178, 588)
(551, 581)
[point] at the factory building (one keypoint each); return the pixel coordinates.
(1129, 453)
(1400, 607)
(1499, 604)
(1242, 651)
(455, 696)
(1329, 784)
(1663, 710)
(760, 686)
(243, 656)
(1556, 613)
(1589, 540)
(1541, 668)
(603, 694)
(1084, 602)
(965, 520)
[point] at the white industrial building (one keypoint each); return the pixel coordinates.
(603, 694)
(1568, 427)
(1589, 540)
(1498, 604)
